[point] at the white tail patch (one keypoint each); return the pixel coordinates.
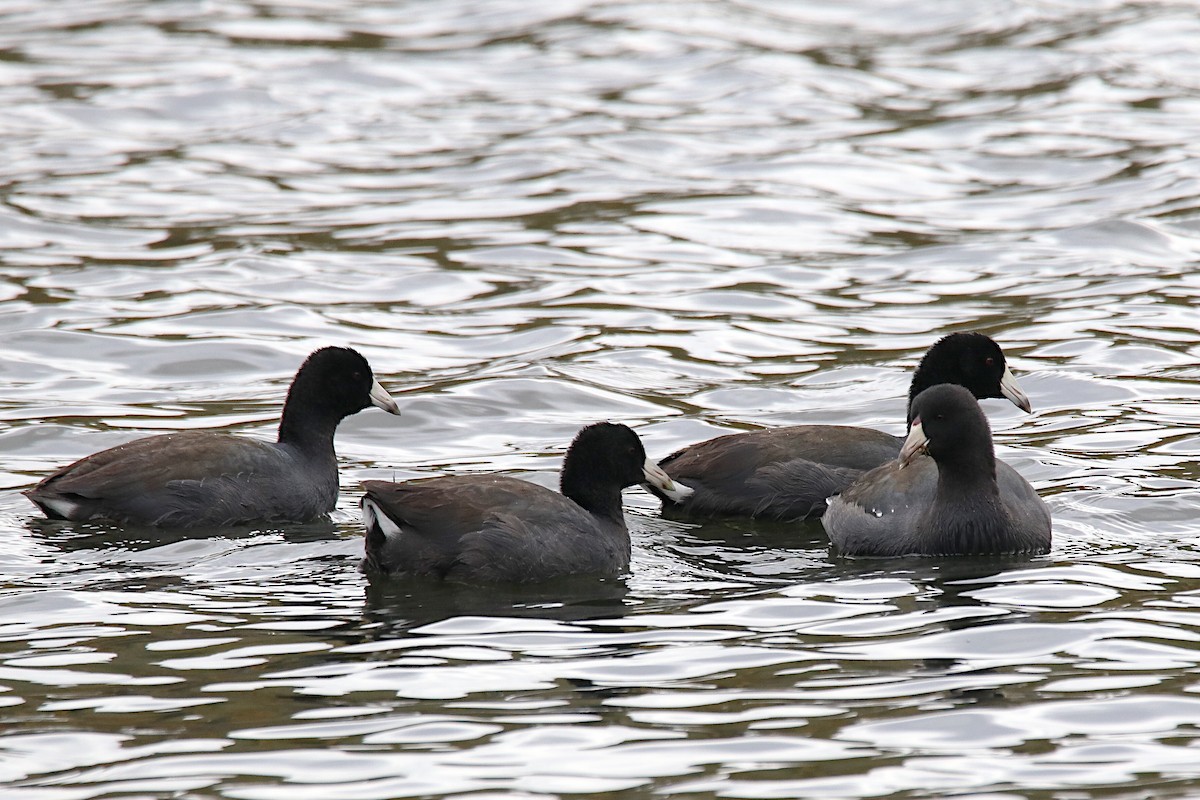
(374, 518)
(61, 506)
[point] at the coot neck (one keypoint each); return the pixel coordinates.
(968, 515)
(596, 497)
(923, 378)
(307, 426)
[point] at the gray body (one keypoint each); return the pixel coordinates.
(209, 479)
(492, 528)
(957, 500)
(894, 512)
(194, 479)
(487, 530)
(775, 473)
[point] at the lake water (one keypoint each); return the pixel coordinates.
(689, 216)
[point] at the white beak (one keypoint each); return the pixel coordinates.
(662, 481)
(916, 443)
(1010, 389)
(381, 399)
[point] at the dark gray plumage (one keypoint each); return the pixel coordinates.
(210, 479)
(490, 529)
(958, 500)
(787, 473)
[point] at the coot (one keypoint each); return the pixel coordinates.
(950, 503)
(209, 479)
(492, 528)
(787, 473)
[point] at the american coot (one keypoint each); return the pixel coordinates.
(950, 503)
(209, 479)
(787, 473)
(489, 529)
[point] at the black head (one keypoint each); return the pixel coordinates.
(331, 384)
(948, 424)
(604, 453)
(603, 459)
(971, 360)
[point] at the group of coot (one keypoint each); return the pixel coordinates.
(937, 491)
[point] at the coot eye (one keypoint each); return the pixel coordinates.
(989, 361)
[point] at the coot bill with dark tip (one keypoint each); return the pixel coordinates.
(497, 529)
(208, 479)
(950, 503)
(787, 473)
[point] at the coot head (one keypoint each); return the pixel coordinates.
(948, 424)
(331, 384)
(606, 456)
(971, 360)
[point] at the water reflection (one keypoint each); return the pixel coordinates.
(99, 536)
(394, 607)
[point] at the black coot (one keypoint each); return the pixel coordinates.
(950, 503)
(209, 479)
(492, 528)
(787, 473)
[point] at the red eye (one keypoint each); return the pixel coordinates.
(989, 361)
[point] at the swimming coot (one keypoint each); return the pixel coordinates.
(492, 528)
(210, 479)
(787, 473)
(951, 502)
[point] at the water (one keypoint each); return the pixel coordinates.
(692, 217)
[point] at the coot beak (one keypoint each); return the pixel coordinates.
(656, 477)
(1010, 389)
(916, 443)
(381, 399)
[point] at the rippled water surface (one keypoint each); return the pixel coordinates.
(689, 216)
